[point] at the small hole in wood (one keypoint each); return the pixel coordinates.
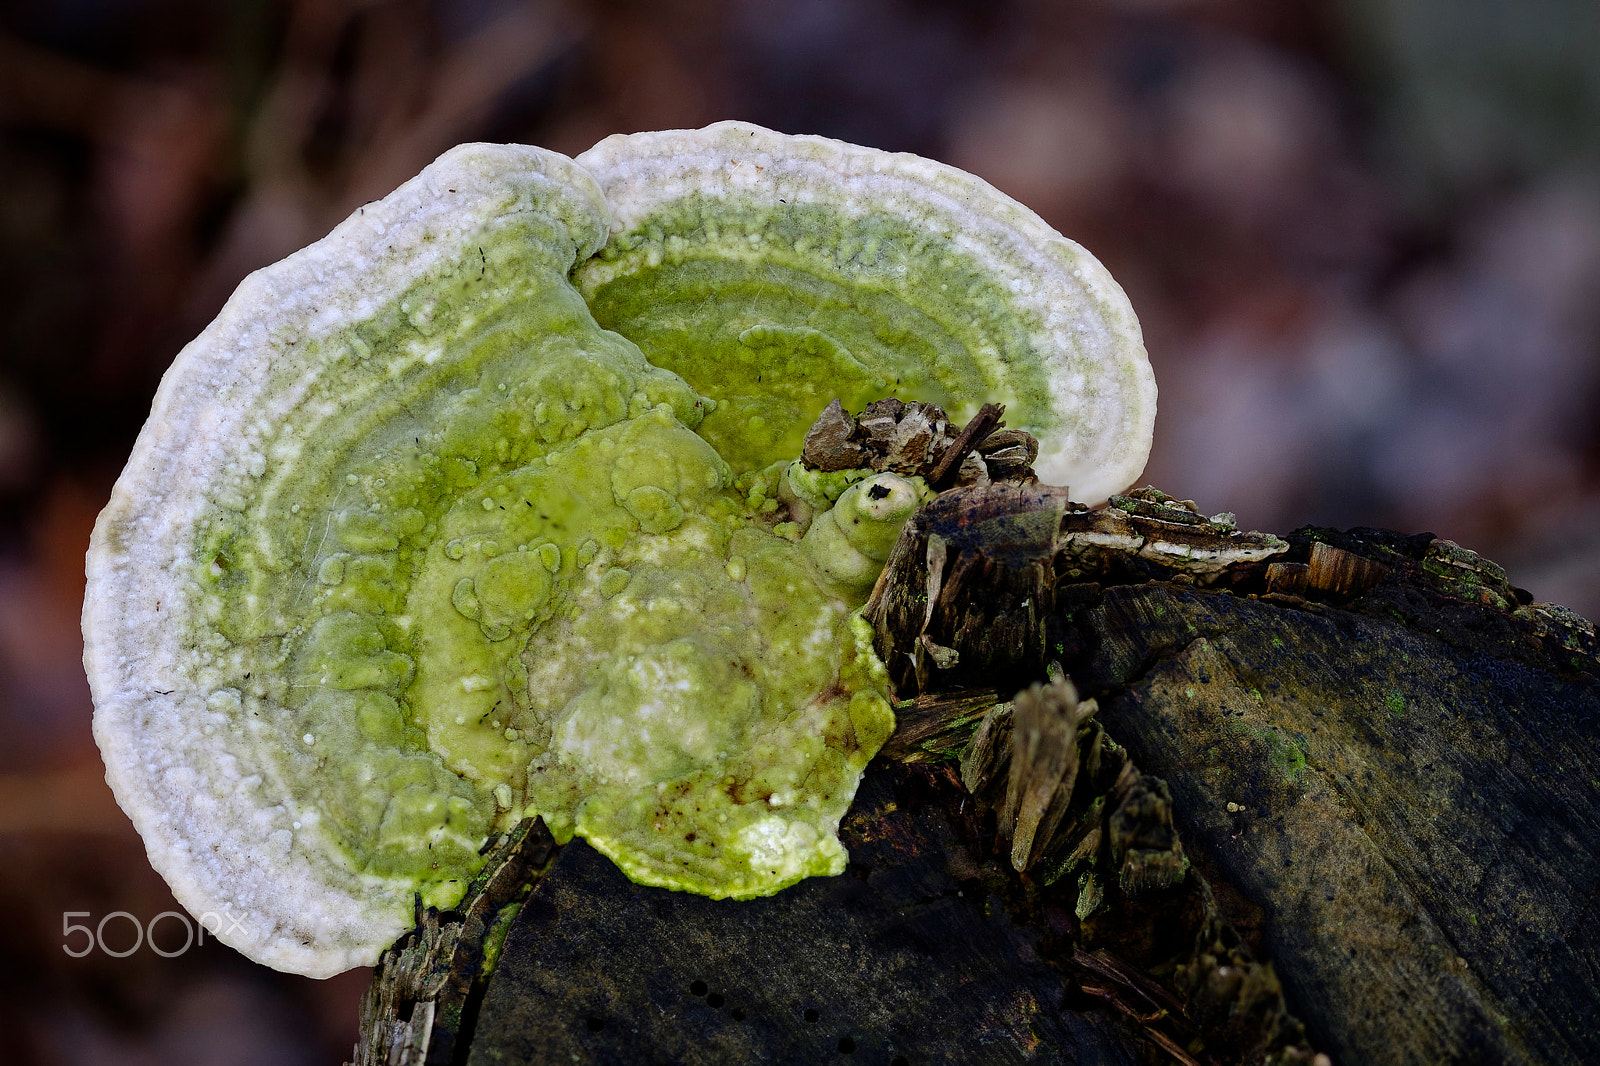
(714, 1000)
(698, 988)
(811, 1014)
(846, 1045)
(595, 1024)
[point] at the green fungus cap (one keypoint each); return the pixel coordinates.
(469, 512)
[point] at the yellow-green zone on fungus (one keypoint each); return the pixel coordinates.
(437, 525)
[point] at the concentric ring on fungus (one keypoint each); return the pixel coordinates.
(470, 510)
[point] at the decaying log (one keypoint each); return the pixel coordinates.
(1143, 910)
(1412, 808)
(1381, 753)
(988, 751)
(943, 474)
(906, 958)
(971, 573)
(425, 991)
(917, 439)
(936, 728)
(1339, 796)
(1044, 766)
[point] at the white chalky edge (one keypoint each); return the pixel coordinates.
(224, 847)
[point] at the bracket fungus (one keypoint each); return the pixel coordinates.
(477, 508)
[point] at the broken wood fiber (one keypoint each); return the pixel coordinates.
(1044, 766)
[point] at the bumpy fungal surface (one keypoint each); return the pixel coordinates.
(469, 511)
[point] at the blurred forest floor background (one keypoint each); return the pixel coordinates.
(1363, 237)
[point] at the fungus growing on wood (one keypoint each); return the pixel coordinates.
(478, 508)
